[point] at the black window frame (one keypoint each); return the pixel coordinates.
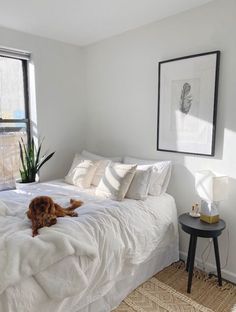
(26, 120)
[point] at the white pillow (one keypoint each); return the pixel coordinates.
(93, 156)
(116, 181)
(77, 159)
(82, 172)
(160, 176)
(140, 184)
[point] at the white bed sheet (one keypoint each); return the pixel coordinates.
(111, 249)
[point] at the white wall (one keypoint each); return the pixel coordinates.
(59, 75)
(121, 81)
(121, 100)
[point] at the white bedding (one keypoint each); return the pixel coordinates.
(78, 260)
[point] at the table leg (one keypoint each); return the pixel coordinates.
(191, 262)
(217, 256)
(189, 250)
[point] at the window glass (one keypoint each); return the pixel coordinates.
(12, 99)
(14, 119)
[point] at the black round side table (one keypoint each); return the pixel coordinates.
(197, 228)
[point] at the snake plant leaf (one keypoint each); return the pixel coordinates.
(23, 175)
(185, 98)
(24, 171)
(38, 155)
(26, 154)
(31, 152)
(45, 160)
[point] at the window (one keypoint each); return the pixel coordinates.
(14, 113)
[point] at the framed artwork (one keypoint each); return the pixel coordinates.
(187, 102)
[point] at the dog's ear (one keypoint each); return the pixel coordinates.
(51, 206)
(29, 212)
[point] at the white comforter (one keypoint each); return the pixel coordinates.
(77, 256)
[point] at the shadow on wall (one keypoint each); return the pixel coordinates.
(183, 190)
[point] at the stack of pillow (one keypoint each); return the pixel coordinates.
(134, 178)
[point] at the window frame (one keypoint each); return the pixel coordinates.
(25, 69)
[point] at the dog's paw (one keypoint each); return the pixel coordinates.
(35, 233)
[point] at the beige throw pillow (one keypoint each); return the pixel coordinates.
(82, 172)
(116, 181)
(102, 166)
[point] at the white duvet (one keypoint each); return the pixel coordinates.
(78, 257)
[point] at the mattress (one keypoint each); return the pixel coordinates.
(84, 264)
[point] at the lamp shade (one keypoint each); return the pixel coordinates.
(211, 187)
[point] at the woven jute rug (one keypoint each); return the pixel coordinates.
(166, 292)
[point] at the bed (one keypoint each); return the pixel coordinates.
(84, 264)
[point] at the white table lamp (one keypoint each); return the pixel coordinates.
(212, 189)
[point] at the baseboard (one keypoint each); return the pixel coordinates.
(210, 268)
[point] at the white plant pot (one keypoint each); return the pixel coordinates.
(23, 186)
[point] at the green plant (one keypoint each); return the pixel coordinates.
(31, 160)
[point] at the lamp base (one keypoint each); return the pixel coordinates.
(210, 219)
(209, 212)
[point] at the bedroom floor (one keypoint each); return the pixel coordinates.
(206, 296)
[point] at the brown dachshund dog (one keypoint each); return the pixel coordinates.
(44, 212)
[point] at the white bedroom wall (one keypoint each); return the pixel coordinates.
(59, 76)
(121, 82)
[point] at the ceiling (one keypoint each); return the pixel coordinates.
(82, 22)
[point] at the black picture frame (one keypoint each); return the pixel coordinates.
(210, 150)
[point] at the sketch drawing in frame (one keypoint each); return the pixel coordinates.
(187, 104)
